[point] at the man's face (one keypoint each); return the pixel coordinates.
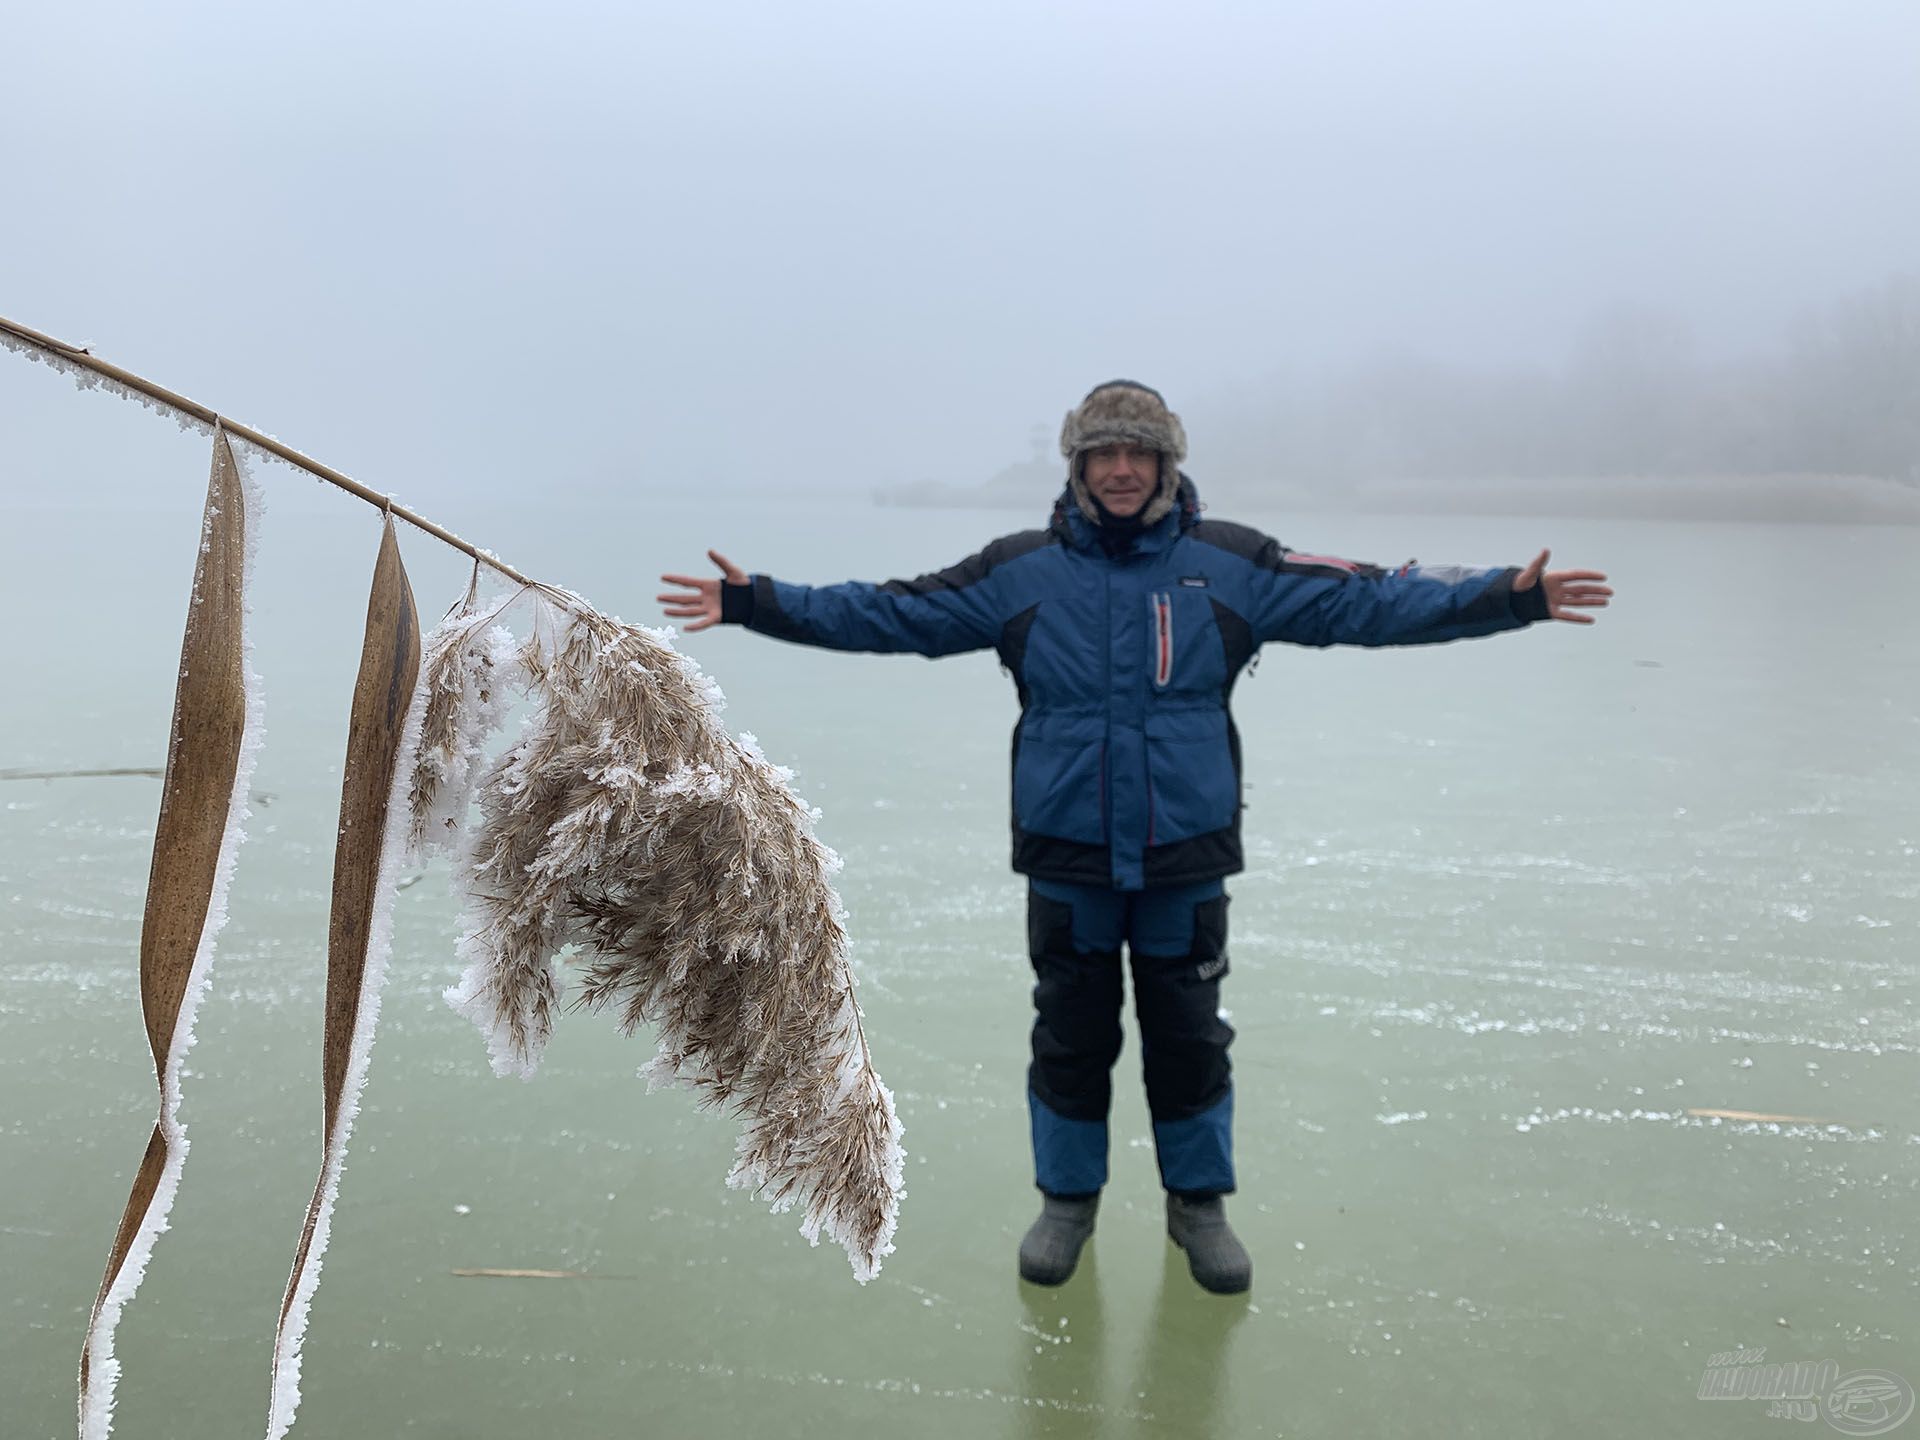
(1122, 477)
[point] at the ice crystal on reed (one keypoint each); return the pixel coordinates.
(86, 378)
(470, 673)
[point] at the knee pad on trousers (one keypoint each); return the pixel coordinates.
(1076, 1005)
(1183, 1039)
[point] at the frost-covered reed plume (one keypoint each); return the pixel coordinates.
(626, 821)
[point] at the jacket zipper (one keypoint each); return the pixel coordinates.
(1162, 607)
(1162, 639)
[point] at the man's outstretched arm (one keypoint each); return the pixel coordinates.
(938, 614)
(1320, 600)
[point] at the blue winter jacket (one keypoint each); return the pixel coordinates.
(1126, 762)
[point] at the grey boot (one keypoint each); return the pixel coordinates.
(1052, 1244)
(1214, 1253)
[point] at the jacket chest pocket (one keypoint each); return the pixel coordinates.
(1185, 654)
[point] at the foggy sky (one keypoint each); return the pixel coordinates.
(612, 250)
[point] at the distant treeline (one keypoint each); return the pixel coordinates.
(1840, 396)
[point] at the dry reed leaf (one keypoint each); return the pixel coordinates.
(375, 820)
(203, 805)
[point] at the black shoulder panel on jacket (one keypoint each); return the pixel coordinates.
(1242, 540)
(975, 568)
(1269, 554)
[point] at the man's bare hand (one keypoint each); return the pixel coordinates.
(699, 602)
(1568, 591)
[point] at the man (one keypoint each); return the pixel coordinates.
(1124, 624)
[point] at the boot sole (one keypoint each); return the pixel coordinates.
(1050, 1281)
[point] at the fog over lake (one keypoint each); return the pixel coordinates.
(610, 254)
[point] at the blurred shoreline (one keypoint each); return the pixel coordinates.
(1776, 499)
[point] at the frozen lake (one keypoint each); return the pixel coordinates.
(1515, 907)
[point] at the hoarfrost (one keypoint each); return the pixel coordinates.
(468, 675)
(86, 378)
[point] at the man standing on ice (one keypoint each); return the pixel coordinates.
(1124, 624)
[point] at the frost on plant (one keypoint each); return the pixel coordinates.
(469, 673)
(625, 820)
(85, 377)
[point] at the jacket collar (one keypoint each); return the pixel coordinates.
(1080, 533)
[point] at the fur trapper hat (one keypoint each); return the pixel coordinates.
(1124, 412)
